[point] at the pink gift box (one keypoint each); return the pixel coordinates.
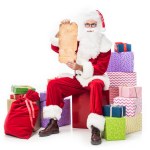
(133, 105)
(113, 92)
(122, 79)
(125, 91)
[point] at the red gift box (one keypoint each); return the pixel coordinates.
(16, 96)
(81, 108)
(113, 92)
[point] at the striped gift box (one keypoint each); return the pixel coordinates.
(133, 105)
(122, 79)
(113, 92)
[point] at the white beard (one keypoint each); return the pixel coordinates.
(90, 42)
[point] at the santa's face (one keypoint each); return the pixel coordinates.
(90, 38)
(90, 25)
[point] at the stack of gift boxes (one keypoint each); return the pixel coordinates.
(123, 115)
(18, 91)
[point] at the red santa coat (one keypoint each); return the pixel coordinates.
(93, 68)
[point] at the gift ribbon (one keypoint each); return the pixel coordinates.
(134, 90)
(113, 105)
(30, 108)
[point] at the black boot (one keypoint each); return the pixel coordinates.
(96, 137)
(52, 128)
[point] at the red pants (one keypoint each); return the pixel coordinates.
(59, 88)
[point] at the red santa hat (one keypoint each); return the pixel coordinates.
(102, 19)
(97, 16)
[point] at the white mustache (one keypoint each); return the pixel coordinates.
(90, 29)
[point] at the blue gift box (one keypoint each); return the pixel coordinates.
(114, 111)
(122, 47)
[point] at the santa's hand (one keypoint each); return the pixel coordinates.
(74, 66)
(57, 35)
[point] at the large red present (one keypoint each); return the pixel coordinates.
(21, 119)
(81, 108)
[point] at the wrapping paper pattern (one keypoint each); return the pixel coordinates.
(65, 116)
(121, 62)
(133, 105)
(125, 91)
(115, 128)
(134, 124)
(122, 79)
(113, 92)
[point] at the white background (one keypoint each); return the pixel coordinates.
(25, 58)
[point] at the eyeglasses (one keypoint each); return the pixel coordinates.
(88, 25)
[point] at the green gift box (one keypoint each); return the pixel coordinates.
(21, 89)
(115, 128)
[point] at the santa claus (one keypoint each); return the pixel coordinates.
(93, 54)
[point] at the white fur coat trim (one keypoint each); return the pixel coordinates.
(54, 41)
(62, 75)
(87, 70)
(96, 120)
(52, 111)
(84, 82)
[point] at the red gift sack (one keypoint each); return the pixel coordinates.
(22, 116)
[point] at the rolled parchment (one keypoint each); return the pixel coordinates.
(68, 42)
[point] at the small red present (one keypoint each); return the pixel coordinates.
(81, 108)
(16, 96)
